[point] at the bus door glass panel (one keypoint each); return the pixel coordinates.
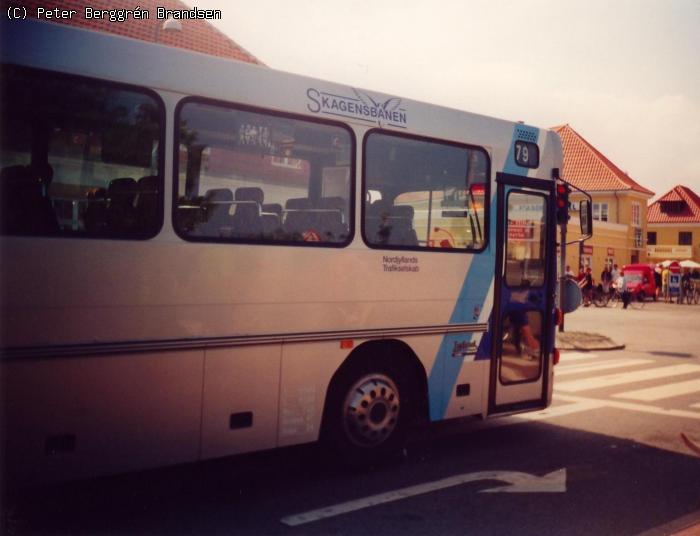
(523, 294)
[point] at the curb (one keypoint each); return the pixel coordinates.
(586, 342)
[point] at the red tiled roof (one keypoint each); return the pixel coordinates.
(672, 195)
(587, 168)
(196, 34)
(680, 205)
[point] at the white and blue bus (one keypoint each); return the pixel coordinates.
(202, 258)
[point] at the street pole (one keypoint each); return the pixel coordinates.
(562, 271)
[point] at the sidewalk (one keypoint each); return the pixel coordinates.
(688, 525)
(585, 342)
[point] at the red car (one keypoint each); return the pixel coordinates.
(640, 280)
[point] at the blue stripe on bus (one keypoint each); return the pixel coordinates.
(471, 300)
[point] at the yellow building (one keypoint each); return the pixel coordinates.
(619, 207)
(673, 229)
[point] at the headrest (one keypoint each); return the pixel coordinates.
(379, 208)
(149, 183)
(275, 208)
(14, 173)
(125, 184)
(218, 194)
(335, 203)
(298, 203)
(250, 194)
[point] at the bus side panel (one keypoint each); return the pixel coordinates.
(307, 369)
(71, 418)
(468, 397)
(470, 373)
(241, 395)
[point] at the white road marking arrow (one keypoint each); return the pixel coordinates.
(554, 482)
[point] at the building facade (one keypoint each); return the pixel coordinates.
(673, 230)
(619, 207)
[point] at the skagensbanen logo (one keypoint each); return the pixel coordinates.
(358, 106)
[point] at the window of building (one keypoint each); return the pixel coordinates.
(685, 238)
(79, 157)
(427, 193)
(638, 243)
(673, 207)
(255, 176)
(636, 217)
(651, 238)
(600, 211)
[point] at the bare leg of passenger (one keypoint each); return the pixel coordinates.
(532, 346)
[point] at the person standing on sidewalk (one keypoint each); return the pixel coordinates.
(664, 282)
(615, 272)
(621, 284)
(586, 285)
(606, 278)
(657, 281)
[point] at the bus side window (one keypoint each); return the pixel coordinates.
(291, 177)
(71, 149)
(432, 193)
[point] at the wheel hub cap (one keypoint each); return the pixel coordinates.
(371, 410)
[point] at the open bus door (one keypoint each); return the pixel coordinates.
(524, 294)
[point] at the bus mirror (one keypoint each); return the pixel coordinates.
(571, 297)
(586, 217)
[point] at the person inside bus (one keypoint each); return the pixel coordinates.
(516, 311)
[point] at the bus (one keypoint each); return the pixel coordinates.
(203, 258)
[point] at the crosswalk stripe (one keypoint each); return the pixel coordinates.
(610, 380)
(602, 365)
(695, 405)
(659, 392)
(633, 406)
(568, 357)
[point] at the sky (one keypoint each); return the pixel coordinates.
(624, 74)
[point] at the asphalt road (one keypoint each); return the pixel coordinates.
(606, 458)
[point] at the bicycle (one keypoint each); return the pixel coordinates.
(601, 297)
(693, 292)
(689, 291)
(615, 297)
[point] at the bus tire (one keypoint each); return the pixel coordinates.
(368, 412)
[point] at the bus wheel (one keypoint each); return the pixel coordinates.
(368, 414)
